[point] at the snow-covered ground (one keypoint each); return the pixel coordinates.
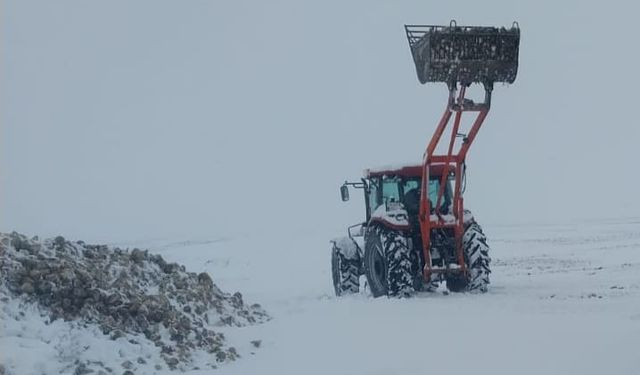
(564, 299)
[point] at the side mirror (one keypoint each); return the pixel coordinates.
(344, 193)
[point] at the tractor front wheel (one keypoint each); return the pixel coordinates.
(345, 273)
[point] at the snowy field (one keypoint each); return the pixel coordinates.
(123, 121)
(564, 299)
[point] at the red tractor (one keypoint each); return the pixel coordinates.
(417, 232)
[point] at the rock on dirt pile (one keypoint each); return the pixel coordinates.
(125, 294)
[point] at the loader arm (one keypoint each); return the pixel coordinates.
(453, 159)
(458, 56)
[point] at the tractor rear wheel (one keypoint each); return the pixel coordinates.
(345, 273)
(389, 262)
(476, 257)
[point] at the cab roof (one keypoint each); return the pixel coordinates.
(407, 171)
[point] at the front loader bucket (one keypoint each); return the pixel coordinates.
(465, 54)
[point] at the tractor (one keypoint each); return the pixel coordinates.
(416, 232)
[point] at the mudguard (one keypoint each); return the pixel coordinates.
(348, 247)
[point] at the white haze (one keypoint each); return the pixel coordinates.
(145, 119)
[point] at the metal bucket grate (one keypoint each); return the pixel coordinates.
(465, 54)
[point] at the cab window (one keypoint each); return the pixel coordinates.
(390, 190)
(434, 187)
(410, 185)
(373, 194)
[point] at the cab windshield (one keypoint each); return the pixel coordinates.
(407, 191)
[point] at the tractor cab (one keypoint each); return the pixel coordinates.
(401, 185)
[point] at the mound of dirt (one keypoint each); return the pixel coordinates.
(126, 294)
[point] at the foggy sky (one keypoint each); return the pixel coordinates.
(137, 119)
